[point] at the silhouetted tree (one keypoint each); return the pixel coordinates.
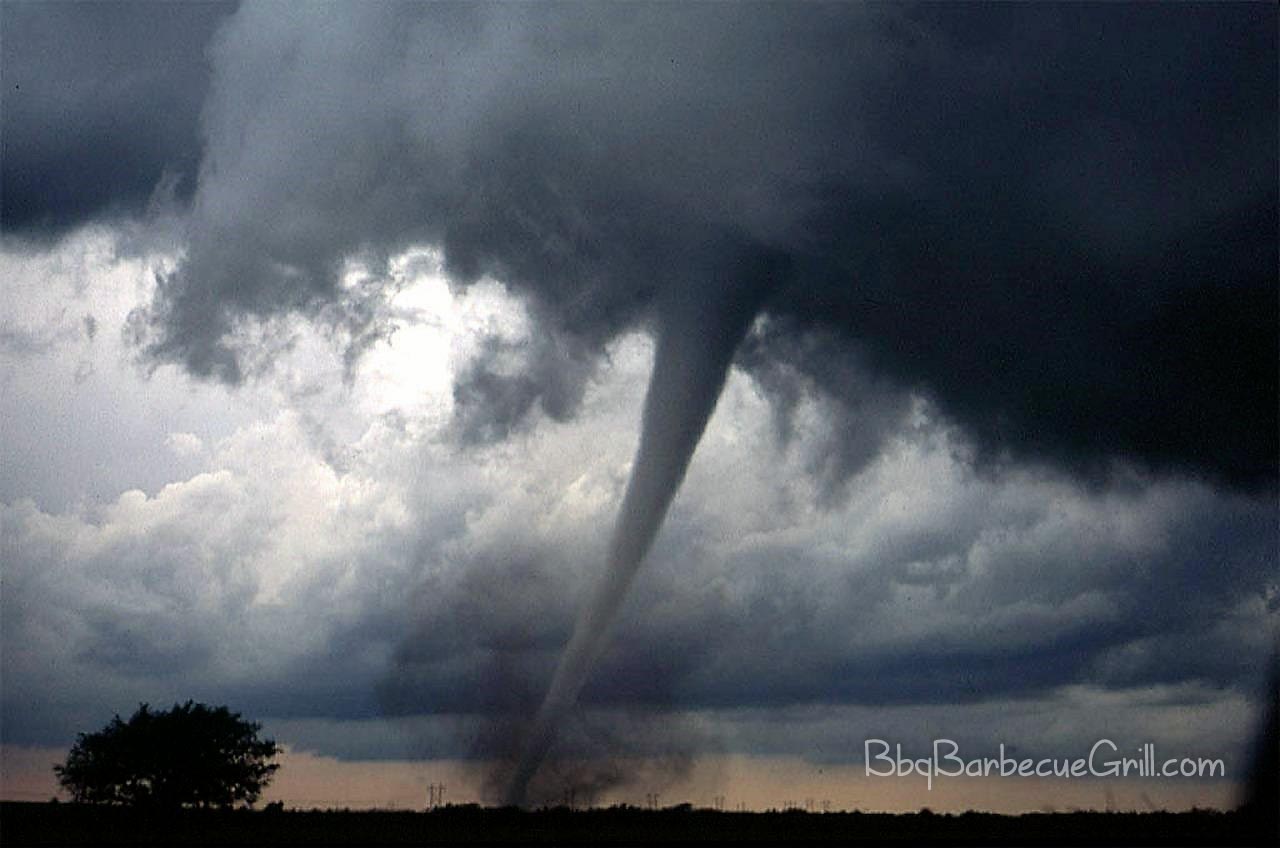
(190, 755)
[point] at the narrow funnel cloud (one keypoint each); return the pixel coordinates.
(699, 329)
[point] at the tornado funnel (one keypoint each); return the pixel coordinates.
(700, 326)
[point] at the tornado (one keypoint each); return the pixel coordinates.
(700, 324)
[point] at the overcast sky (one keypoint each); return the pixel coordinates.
(328, 330)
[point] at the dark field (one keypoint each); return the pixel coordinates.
(70, 824)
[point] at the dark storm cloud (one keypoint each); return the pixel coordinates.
(859, 408)
(473, 646)
(1055, 226)
(1058, 223)
(1053, 602)
(101, 106)
(1083, 263)
(497, 391)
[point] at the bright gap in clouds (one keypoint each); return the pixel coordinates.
(433, 333)
(65, 332)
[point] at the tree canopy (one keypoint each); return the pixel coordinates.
(191, 755)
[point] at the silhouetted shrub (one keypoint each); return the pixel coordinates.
(191, 755)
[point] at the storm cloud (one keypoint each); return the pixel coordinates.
(1058, 223)
(438, 587)
(1000, 409)
(101, 110)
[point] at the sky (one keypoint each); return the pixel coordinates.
(932, 349)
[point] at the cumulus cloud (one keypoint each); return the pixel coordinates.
(317, 569)
(280, 584)
(1071, 277)
(321, 520)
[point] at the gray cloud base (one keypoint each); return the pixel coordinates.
(101, 109)
(1056, 222)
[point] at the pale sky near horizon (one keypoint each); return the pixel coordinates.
(310, 781)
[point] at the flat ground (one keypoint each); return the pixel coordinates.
(73, 824)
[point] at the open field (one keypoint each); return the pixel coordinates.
(70, 824)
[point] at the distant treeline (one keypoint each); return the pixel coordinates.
(74, 824)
